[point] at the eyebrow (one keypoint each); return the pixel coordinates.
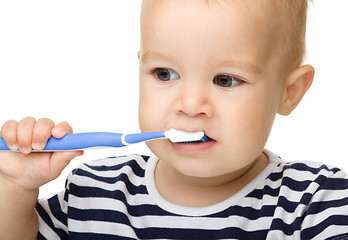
(152, 55)
(246, 65)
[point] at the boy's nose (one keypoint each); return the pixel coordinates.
(194, 101)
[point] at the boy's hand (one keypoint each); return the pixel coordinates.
(29, 170)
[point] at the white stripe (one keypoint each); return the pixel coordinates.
(83, 181)
(332, 231)
(279, 235)
(330, 195)
(295, 196)
(257, 204)
(139, 199)
(56, 222)
(110, 162)
(102, 228)
(46, 231)
(305, 175)
(288, 217)
(201, 222)
(113, 173)
(170, 221)
(315, 219)
(272, 184)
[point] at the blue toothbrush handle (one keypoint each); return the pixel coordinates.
(79, 141)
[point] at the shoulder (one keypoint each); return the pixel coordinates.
(306, 173)
(109, 170)
(311, 198)
(302, 173)
(111, 164)
(303, 182)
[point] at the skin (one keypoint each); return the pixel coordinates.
(199, 43)
(21, 174)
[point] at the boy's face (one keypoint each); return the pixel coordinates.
(208, 68)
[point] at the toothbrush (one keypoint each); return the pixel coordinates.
(80, 141)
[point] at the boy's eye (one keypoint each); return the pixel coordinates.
(226, 81)
(165, 75)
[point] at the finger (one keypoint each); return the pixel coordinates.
(9, 134)
(61, 130)
(60, 160)
(25, 134)
(41, 133)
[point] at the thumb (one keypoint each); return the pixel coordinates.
(59, 160)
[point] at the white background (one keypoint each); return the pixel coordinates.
(75, 60)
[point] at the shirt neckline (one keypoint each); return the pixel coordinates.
(208, 210)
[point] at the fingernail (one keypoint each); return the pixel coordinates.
(37, 146)
(25, 150)
(14, 147)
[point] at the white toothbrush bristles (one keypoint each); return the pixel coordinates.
(175, 135)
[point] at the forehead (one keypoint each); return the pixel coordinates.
(255, 16)
(259, 7)
(235, 24)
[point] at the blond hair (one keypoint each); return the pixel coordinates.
(292, 17)
(287, 23)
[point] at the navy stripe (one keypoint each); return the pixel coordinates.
(83, 191)
(46, 218)
(337, 220)
(317, 207)
(266, 204)
(140, 157)
(246, 212)
(189, 234)
(153, 210)
(132, 189)
(66, 192)
(290, 206)
(160, 233)
(334, 184)
(41, 237)
(287, 229)
(137, 210)
(136, 169)
(275, 176)
(184, 234)
(98, 215)
(95, 236)
(298, 186)
(261, 193)
(339, 237)
(306, 168)
(56, 210)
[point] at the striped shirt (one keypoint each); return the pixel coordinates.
(116, 198)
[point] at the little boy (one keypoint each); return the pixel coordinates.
(226, 67)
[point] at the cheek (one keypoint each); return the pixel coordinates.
(152, 107)
(249, 121)
(146, 112)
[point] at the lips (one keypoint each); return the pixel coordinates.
(201, 146)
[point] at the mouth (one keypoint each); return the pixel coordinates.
(204, 139)
(203, 145)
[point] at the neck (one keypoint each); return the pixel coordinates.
(200, 192)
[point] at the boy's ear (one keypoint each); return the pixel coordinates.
(138, 54)
(296, 85)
